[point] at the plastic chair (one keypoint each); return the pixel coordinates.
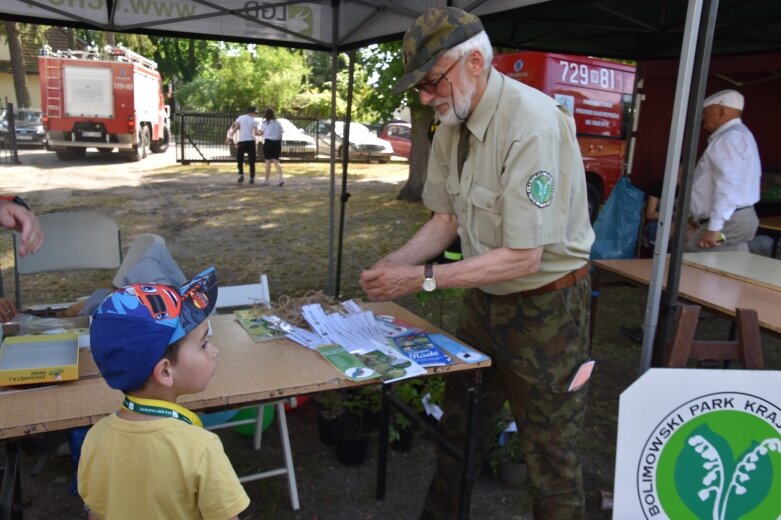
(74, 241)
(247, 296)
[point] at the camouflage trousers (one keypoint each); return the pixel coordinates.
(536, 344)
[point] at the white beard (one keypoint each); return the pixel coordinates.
(459, 102)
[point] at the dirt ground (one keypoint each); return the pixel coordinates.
(206, 218)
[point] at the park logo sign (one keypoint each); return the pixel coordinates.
(699, 444)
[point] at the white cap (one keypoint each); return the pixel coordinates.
(727, 98)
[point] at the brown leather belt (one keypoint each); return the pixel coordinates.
(565, 281)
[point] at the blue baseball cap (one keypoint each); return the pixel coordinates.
(133, 326)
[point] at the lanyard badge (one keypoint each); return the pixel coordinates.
(160, 408)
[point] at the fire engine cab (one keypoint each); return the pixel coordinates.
(109, 100)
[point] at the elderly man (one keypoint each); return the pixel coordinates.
(726, 179)
(506, 175)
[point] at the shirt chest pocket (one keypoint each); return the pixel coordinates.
(484, 216)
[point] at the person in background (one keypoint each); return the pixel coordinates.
(506, 174)
(247, 127)
(726, 179)
(151, 458)
(272, 131)
(652, 208)
(15, 215)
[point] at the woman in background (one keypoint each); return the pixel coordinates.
(271, 131)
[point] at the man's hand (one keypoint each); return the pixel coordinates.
(711, 239)
(7, 309)
(16, 217)
(387, 280)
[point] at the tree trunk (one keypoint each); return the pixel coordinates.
(17, 65)
(110, 40)
(418, 161)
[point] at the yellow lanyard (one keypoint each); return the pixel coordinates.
(160, 408)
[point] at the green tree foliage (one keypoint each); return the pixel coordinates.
(384, 65)
(268, 77)
(181, 59)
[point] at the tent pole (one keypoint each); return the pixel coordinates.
(332, 191)
(345, 161)
(682, 89)
(669, 308)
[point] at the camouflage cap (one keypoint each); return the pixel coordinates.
(434, 32)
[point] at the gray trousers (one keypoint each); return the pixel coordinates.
(738, 230)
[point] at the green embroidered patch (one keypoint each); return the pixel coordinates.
(540, 189)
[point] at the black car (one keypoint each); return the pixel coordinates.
(29, 127)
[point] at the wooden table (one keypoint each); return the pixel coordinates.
(714, 291)
(772, 225)
(741, 265)
(247, 373)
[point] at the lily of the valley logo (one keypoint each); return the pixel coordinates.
(716, 457)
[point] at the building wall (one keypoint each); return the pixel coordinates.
(7, 93)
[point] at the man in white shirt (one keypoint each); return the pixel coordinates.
(247, 127)
(726, 179)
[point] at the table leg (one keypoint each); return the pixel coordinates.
(596, 280)
(382, 455)
(470, 448)
(11, 486)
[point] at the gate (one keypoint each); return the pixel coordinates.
(201, 137)
(9, 153)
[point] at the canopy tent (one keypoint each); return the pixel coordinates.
(636, 29)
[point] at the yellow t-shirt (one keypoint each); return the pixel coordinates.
(161, 469)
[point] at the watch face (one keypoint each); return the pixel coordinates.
(429, 284)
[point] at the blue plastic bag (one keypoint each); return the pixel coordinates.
(618, 224)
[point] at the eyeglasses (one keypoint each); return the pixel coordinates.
(430, 87)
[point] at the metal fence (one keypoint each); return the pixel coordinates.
(9, 153)
(203, 137)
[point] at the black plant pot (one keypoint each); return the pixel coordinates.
(324, 430)
(350, 440)
(406, 440)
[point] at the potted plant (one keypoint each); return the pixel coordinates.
(329, 408)
(506, 458)
(509, 464)
(351, 431)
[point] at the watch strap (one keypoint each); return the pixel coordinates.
(16, 200)
(428, 271)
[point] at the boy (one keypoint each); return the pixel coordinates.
(152, 459)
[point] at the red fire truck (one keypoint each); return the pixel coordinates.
(110, 99)
(599, 94)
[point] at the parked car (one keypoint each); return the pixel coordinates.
(364, 145)
(399, 135)
(28, 125)
(295, 143)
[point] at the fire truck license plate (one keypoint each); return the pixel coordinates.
(91, 134)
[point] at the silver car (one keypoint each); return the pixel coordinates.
(364, 144)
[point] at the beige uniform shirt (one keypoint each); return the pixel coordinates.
(523, 184)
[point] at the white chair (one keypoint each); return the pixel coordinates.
(247, 296)
(74, 241)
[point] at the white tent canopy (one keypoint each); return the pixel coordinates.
(323, 25)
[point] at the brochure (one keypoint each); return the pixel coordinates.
(256, 326)
(457, 349)
(419, 348)
(349, 365)
(391, 364)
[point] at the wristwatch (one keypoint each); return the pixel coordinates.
(429, 284)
